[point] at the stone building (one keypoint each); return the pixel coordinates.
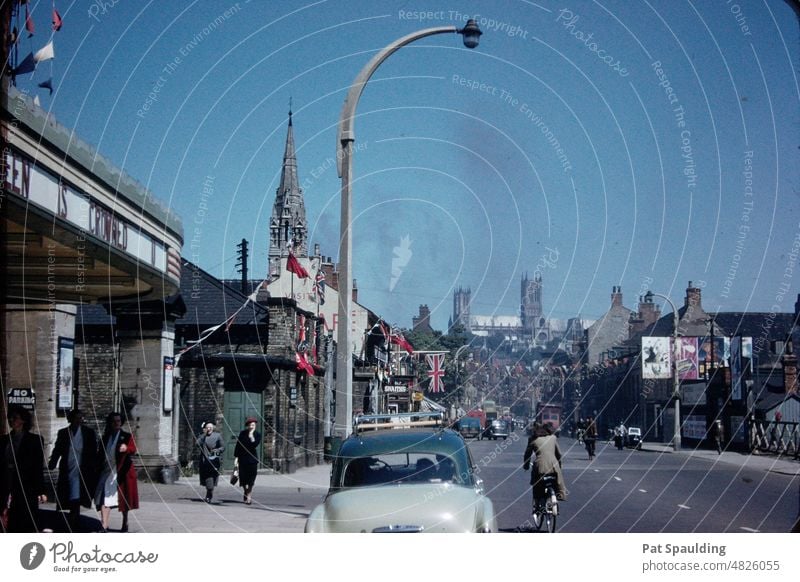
(608, 331)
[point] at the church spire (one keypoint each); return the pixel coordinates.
(288, 223)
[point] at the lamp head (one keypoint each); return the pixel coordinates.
(471, 34)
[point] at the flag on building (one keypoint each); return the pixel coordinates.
(294, 266)
(319, 286)
(399, 340)
(302, 364)
(436, 372)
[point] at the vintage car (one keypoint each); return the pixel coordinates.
(634, 438)
(497, 429)
(400, 474)
(469, 427)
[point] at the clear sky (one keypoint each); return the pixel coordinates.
(642, 144)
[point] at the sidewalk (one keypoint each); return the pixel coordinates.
(281, 504)
(759, 462)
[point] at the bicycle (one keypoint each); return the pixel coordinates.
(545, 506)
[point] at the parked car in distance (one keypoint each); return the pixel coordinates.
(634, 438)
(469, 427)
(398, 474)
(498, 429)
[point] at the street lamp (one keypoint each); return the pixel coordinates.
(344, 157)
(676, 393)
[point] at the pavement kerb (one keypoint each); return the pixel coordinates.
(769, 463)
(308, 479)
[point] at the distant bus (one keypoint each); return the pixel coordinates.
(479, 414)
(551, 413)
(490, 408)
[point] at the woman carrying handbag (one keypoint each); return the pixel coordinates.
(246, 458)
(211, 449)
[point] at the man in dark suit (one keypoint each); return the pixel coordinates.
(22, 482)
(76, 448)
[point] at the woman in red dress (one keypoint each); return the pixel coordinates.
(117, 484)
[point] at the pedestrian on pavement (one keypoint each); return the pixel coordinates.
(211, 449)
(75, 454)
(22, 482)
(116, 486)
(590, 436)
(620, 432)
(246, 457)
(719, 436)
(544, 445)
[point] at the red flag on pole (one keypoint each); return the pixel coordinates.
(399, 340)
(294, 266)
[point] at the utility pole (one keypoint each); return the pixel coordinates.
(241, 264)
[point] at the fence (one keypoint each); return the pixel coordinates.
(775, 437)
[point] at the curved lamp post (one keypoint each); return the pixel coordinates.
(676, 393)
(344, 157)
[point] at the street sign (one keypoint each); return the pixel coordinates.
(395, 389)
(24, 397)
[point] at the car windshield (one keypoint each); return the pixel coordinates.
(401, 468)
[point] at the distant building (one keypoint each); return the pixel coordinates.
(422, 322)
(608, 331)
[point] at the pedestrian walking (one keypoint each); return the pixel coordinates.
(211, 449)
(620, 432)
(719, 436)
(22, 482)
(246, 457)
(116, 486)
(75, 454)
(590, 436)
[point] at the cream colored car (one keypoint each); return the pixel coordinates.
(404, 480)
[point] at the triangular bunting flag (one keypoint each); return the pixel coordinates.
(48, 84)
(28, 65)
(45, 53)
(29, 23)
(57, 22)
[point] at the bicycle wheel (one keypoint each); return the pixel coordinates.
(550, 520)
(536, 516)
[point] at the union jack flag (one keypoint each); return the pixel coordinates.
(436, 372)
(319, 286)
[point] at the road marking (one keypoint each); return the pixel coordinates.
(684, 506)
(643, 490)
(596, 470)
(617, 478)
(750, 529)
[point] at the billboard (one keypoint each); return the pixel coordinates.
(656, 358)
(688, 368)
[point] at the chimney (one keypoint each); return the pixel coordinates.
(355, 291)
(789, 362)
(616, 297)
(693, 298)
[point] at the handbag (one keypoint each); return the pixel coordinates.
(235, 476)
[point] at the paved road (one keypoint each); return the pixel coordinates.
(648, 491)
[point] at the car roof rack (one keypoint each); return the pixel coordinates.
(368, 422)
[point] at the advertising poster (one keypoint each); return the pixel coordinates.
(656, 359)
(66, 355)
(687, 358)
(736, 368)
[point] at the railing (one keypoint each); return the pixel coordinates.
(775, 437)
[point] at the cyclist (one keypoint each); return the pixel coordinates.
(544, 445)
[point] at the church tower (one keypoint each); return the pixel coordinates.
(461, 300)
(287, 226)
(531, 302)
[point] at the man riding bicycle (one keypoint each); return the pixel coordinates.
(544, 445)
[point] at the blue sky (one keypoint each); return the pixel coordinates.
(604, 143)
